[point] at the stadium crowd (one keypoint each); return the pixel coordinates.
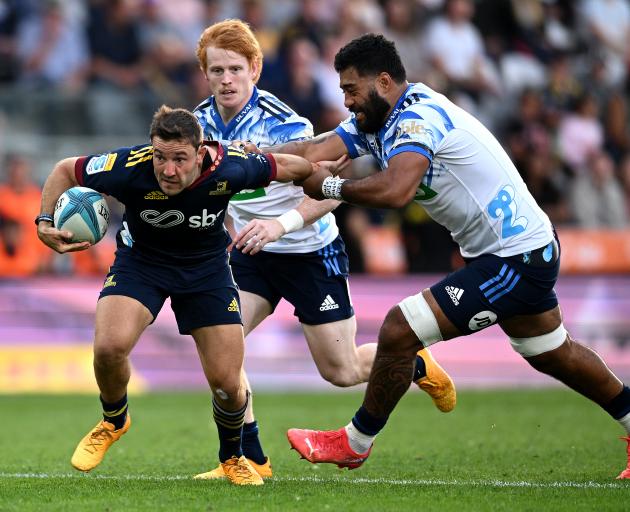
(548, 77)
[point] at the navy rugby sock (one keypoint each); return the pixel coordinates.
(420, 369)
(115, 413)
(620, 405)
(368, 424)
(251, 443)
(230, 430)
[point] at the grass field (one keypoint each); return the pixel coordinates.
(499, 450)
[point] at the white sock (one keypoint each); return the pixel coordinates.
(625, 423)
(357, 440)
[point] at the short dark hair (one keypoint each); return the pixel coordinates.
(176, 124)
(371, 54)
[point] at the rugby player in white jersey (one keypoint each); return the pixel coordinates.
(287, 245)
(434, 152)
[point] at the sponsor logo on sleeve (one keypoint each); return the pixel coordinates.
(101, 163)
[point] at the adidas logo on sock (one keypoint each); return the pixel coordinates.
(454, 293)
(328, 304)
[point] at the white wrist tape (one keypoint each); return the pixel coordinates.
(331, 188)
(291, 221)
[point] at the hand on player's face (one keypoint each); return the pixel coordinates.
(230, 77)
(176, 164)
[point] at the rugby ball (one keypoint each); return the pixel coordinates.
(83, 212)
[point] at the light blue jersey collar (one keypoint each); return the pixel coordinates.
(227, 129)
(394, 113)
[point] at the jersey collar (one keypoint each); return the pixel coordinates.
(208, 166)
(227, 129)
(394, 113)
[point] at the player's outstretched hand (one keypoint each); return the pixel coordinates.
(59, 240)
(246, 145)
(256, 234)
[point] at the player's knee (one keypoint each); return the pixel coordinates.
(225, 386)
(341, 377)
(542, 352)
(226, 395)
(396, 334)
(226, 391)
(389, 331)
(110, 353)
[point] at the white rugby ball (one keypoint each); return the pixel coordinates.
(83, 212)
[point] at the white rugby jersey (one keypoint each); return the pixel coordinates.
(471, 187)
(266, 121)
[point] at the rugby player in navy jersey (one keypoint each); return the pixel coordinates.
(435, 153)
(294, 250)
(172, 243)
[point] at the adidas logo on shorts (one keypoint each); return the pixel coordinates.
(454, 293)
(328, 304)
(233, 307)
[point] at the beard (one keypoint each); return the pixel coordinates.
(374, 111)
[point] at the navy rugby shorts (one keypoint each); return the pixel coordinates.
(490, 289)
(315, 283)
(201, 295)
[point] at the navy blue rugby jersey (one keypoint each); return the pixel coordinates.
(183, 229)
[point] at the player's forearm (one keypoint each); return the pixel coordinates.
(307, 212)
(293, 147)
(228, 222)
(292, 168)
(60, 179)
(323, 147)
(376, 191)
(312, 209)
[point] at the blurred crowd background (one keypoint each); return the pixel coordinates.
(548, 77)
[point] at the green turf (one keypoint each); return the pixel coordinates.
(499, 450)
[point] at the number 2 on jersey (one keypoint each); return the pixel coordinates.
(504, 205)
